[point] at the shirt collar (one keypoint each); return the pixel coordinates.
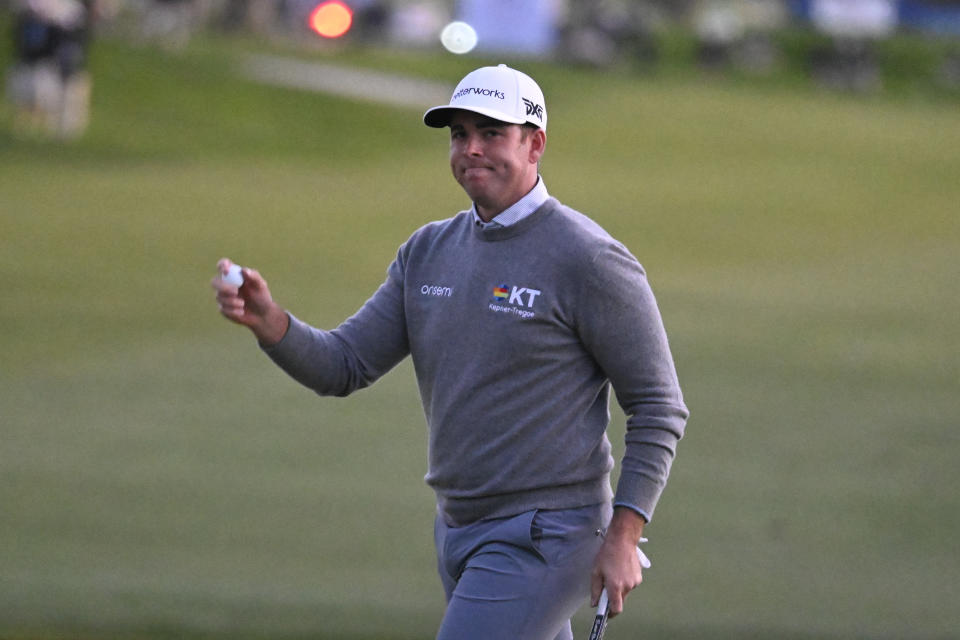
(518, 210)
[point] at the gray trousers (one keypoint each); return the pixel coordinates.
(521, 577)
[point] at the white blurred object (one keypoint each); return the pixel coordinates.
(854, 18)
(718, 22)
(68, 14)
(458, 37)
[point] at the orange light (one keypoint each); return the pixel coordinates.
(331, 19)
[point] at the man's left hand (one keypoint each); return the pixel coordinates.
(617, 566)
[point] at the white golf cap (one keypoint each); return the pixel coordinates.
(499, 92)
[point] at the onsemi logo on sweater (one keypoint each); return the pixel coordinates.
(436, 290)
(513, 299)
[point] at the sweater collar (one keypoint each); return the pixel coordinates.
(493, 233)
(518, 210)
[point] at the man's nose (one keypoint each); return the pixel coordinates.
(474, 148)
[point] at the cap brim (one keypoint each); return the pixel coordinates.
(439, 117)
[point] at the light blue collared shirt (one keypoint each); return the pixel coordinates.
(518, 210)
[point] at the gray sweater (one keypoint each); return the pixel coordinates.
(516, 335)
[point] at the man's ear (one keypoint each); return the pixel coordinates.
(538, 144)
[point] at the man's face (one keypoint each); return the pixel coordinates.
(495, 162)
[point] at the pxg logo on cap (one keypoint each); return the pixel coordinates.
(500, 93)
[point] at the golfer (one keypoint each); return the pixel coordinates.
(520, 314)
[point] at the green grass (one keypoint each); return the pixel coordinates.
(160, 478)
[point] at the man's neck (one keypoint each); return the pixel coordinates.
(489, 213)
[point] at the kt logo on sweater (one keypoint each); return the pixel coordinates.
(520, 296)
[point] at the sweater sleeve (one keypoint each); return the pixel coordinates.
(355, 354)
(620, 325)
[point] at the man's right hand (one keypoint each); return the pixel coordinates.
(251, 304)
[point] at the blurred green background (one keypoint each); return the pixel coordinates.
(161, 478)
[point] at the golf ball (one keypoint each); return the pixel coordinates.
(233, 276)
(458, 37)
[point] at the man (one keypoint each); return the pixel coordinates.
(48, 82)
(519, 314)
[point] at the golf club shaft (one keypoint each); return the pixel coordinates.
(600, 621)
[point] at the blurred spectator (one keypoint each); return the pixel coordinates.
(48, 82)
(738, 33)
(718, 27)
(418, 24)
(849, 61)
(608, 32)
(256, 16)
(370, 19)
(168, 23)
